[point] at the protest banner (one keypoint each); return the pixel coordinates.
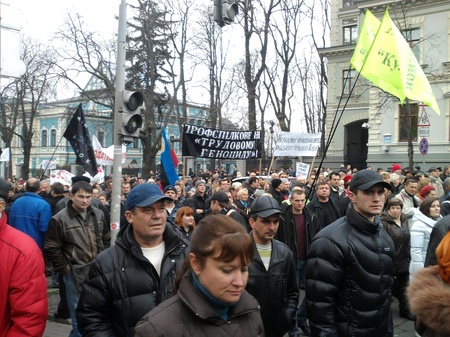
(291, 144)
(206, 142)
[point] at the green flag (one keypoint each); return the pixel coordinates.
(367, 34)
(391, 65)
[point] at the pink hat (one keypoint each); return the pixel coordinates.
(396, 167)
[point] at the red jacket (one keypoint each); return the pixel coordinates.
(23, 286)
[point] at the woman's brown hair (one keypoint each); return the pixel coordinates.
(221, 238)
(426, 205)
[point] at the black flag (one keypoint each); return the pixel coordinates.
(77, 134)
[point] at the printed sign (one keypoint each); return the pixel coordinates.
(206, 142)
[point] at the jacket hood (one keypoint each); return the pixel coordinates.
(419, 216)
(429, 299)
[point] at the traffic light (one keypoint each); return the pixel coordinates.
(131, 109)
(225, 11)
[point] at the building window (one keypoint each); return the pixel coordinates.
(350, 29)
(412, 36)
(44, 140)
(101, 137)
(408, 123)
(53, 137)
(348, 79)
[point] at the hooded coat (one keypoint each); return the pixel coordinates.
(190, 313)
(420, 237)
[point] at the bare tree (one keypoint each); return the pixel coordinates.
(318, 13)
(180, 13)
(84, 53)
(26, 94)
(285, 35)
(259, 31)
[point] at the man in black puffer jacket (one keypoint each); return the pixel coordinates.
(350, 265)
(134, 276)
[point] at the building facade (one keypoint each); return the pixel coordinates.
(374, 128)
(51, 122)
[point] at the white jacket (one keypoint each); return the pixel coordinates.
(420, 237)
(408, 205)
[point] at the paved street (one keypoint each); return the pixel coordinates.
(55, 329)
(402, 327)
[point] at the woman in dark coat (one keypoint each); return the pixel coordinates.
(396, 225)
(185, 221)
(211, 298)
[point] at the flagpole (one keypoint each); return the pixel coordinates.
(42, 176)
(120, 87)
(334, 126)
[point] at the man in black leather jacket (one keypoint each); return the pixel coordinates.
(350, 266)
(136, 274)
(272, 274)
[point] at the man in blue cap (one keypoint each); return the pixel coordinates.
(137, 273)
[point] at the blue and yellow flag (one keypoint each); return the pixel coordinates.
(386, 60)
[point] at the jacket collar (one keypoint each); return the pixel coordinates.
(361, 223)
(126, 240)
(73, 212)
(201, 306)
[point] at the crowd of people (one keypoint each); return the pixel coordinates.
(209, 256)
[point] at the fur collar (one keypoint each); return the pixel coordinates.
(429, 299)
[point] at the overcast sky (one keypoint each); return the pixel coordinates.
(44, 17)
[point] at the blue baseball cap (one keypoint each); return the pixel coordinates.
(144, 195)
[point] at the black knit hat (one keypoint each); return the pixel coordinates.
(276, 183)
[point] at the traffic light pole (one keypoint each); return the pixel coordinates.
(120, 87)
